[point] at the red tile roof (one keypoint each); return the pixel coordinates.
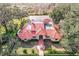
(38, 29)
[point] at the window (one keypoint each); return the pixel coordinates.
(28, 27)
(48, 26)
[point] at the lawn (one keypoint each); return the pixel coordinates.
(26, 51)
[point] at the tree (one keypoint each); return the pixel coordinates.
(57, 15)
(69, 26)
(60, 13)
(2, 30)
(8, 13)
(71, 32)
(9, 25)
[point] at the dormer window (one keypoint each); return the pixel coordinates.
(48, 26)
(28, 26)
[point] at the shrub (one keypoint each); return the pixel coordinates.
(33, 52)
(25, 51)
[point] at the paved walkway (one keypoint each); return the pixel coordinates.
(41, 52)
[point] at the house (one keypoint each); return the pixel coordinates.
(39, 27)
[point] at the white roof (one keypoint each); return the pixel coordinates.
(38, 18)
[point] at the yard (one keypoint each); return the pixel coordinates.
(28, 48)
